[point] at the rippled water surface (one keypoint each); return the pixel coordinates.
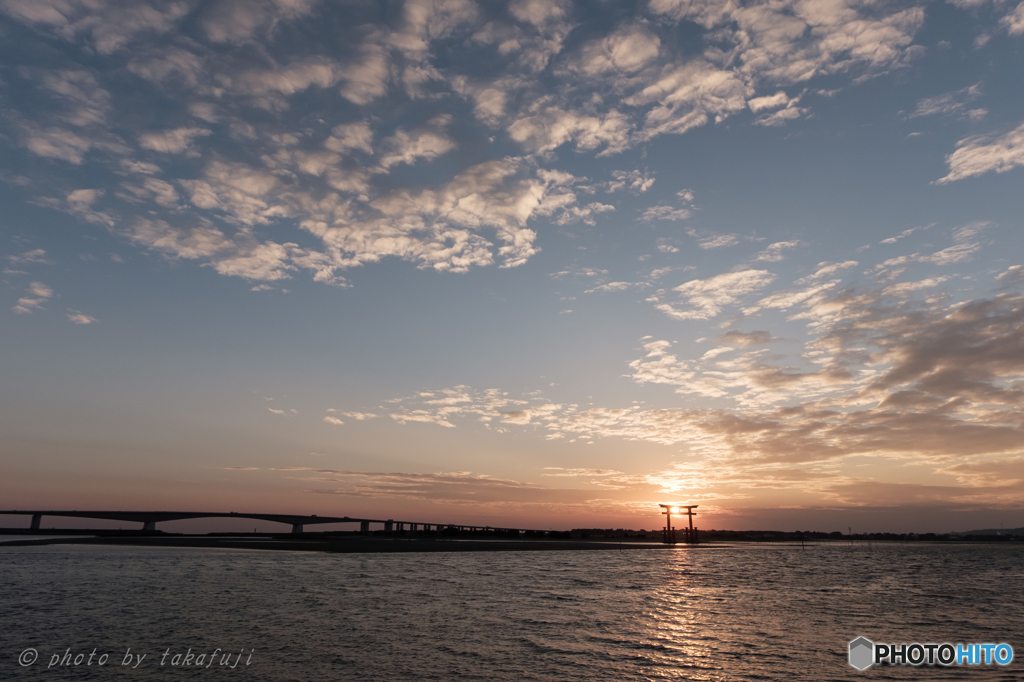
(740, 613)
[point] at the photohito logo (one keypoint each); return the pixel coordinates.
(864, 653)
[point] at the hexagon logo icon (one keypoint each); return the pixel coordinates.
(862, 653)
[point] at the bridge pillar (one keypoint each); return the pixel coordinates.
(149, 525)
(364, 526)
(412, 527)
(296, 527)
(36, 519)
(389, 525)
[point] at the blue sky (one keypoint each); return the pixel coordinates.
(535, 263)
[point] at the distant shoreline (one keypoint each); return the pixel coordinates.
(356, 544)
(343, 545)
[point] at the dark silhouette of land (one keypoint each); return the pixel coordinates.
(327, 542)
(406, 536)
(470, 539)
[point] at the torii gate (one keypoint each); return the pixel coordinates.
(669, 533)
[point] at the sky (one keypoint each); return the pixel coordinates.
(531, 264)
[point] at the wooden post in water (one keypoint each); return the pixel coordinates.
(692, 534)
(668, 535)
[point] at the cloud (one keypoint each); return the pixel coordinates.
(423, 417)
(86, 103)
(490, 99)
(660, 367)
(270, 88)
(540, 13)
(689, 96)
(195, 242)
(904, 234)
(586, 214)
(980, 154)
(171, 141)
(38, 293)
(562, 472)
(826, 269)
(262, 262)
(33, 256)
(80, 318)
(366, 78)
(746, 378)
(773, 43)
(634, 180)
(236, 168)
(705, 298)
(238, 21)
(527, 415)
(451, 487)
(951, 103)
(666, 213)
(174, 65)
(790, 42)
(789, 112)
(426, 20)
(428, 142)
(1014, 21)
(109, 25)
(1013, 275)
(151, 189)
(611, 286)
(953, 361)
(238, 190)
(545, 126)
(768, 102)
(360, 416)
(717, 241)
(490, 406)
(927, 385)
(963, 249)
(743, 339)
(333, 420)
(781, 117)
(438, 228)
(906, 288)
(677, 212)
(241, 256)
(919, 384)
(351, 136)
(628, 49)
(783, 300)
(56, 143)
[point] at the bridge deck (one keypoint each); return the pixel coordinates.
(149, 519)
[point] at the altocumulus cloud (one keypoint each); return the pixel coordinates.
(886, 373)
(225, 172)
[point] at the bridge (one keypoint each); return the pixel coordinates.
(149, 519)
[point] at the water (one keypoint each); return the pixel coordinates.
(743, 613)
